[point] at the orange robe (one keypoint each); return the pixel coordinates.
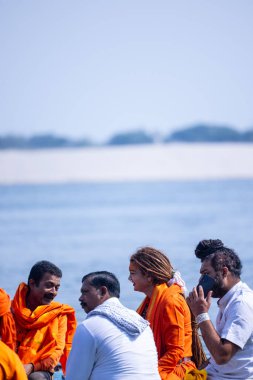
(11, 367)
(7, 324)
(44, 336)
(170, 321)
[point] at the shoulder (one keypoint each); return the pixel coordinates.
(242, 297)
(95, 323)
(84, 332)
(173, 294)
(9, 357)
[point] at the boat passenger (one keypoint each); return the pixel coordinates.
(44, 327)
(7, 324)
(166, 309)
(113, 342)
(231, 341)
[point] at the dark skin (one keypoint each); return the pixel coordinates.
(92, 297)
(41, 294)
(221, 350)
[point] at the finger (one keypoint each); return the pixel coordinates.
(208, 298)
(200, 292)
(190, 295)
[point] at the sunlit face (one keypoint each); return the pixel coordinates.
(45, 291)
(218, 288)
(90, 297)
(141, 282)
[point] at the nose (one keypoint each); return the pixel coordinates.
(54, 291)
(130, 278)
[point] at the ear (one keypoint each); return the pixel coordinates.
(225, 271)
(31, 283)
(103, 291)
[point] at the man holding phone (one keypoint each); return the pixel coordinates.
(231, 343)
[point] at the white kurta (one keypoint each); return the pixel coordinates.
(103, 351)
(235, 324)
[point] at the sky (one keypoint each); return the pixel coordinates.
(96, 68)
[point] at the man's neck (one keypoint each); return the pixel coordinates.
(29, 303)
(233, 281)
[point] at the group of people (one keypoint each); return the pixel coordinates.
(159, 341)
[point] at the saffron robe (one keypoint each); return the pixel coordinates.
(11, 367)
(170, 321)
(44, 336)
(7, 324)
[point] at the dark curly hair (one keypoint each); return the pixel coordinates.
(219, 255)
(206, 247)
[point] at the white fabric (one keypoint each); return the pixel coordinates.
(202, 318)
(177, 279)
(126, 319)
(235, 323)
(102, 350)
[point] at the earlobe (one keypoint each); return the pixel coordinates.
(225, 271)
(103, 291)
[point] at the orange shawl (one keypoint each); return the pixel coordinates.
(7, 324)
(10, 365)
(44, 336)
(170, 321)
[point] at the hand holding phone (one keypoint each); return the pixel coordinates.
(207, 284)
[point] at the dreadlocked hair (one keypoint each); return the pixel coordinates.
(206, 247)
(219, 256)
(154, 263)
(198, 353)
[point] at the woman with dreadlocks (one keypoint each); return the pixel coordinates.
(166, 309)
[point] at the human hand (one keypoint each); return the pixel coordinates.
(197, 302)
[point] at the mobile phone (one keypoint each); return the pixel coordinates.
(207, 284)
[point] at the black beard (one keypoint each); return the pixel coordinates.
(218, 290)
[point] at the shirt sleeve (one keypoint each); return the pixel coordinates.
(173, 335)
(239, 325)
(82, 355)
(51, 358)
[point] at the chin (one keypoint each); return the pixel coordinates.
(46, 302)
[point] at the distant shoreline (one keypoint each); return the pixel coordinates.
(128, 163)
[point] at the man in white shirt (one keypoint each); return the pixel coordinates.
(231, 343)
(113, 342)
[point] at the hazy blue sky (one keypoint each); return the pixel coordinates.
(92, 68)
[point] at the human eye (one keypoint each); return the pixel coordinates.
(49, 285)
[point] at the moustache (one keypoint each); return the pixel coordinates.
(49, 296)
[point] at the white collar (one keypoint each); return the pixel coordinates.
(222, 303)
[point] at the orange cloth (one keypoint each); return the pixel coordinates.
(44, 336)
(11, 367)
(7, 324)
(195, 374)
(170, 321)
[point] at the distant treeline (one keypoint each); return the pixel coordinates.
(195, 134)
